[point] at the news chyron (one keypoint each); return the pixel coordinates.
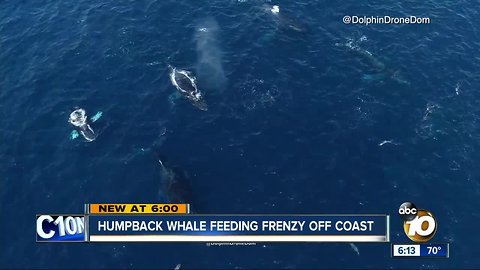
(60, 228)
(418, 224)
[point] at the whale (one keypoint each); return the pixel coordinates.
(78, 118)
(286, 21)
(381, 71)
(175, 183)
(185, 83)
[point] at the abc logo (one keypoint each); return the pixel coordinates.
(407, 211)
(419, 225)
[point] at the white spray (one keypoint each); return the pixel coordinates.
(210, 71)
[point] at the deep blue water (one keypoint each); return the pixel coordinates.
(295, 128)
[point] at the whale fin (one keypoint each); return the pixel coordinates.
(161, 163)
(74, 134)
(96, 116)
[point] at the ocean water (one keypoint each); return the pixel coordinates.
(295, 123)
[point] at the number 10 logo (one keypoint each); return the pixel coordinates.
(419, 224)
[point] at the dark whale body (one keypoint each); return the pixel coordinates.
(175, 183)
(287, 22)
(184, 82)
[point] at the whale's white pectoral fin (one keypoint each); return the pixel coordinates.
(74, 134)
(97, 116)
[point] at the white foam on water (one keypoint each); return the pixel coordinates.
(385, 142)
(275, 9)
(78, 117)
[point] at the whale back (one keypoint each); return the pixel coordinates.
(184, 82)
(87, 132)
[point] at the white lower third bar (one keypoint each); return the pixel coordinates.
(238, 238)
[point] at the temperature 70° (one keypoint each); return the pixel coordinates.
(433, 250)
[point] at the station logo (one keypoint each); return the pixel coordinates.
(59, 228)
(419, 224)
